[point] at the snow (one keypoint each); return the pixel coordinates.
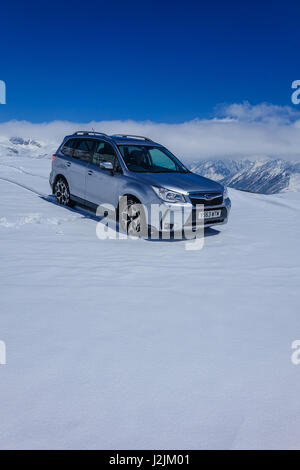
(137, 344)
(294, 183)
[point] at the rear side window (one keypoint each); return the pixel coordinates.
(83, 150)
(68, 147)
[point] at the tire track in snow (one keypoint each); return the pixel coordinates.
(50, 198)
(22, 170)
(24, 186)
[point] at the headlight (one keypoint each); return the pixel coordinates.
(168, 196)
(225, 192)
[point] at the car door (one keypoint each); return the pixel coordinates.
(102, 186)
(82, 156)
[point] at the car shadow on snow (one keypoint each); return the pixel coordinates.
(77, 209)
(90, 214)
(208, 232)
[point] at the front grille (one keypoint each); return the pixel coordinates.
(206, 199)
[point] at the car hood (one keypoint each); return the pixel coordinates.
(182, 182)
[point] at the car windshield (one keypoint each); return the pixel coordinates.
(150, 159)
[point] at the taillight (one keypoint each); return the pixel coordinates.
(54, 157)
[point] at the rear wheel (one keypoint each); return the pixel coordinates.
(132, 217)
(62, 192)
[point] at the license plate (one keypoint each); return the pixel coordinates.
(209, 214)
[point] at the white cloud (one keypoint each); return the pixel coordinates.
(237, 131)
(263, 112)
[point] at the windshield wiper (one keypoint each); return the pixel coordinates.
(164, 171)
(171, 171)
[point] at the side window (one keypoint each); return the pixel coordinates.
(83, 150)
(68, 147)
(104, 152)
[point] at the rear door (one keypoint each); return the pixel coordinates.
(64, 163)
(82, 156)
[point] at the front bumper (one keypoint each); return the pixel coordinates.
(174, 217)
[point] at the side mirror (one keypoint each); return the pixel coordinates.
(106, 166)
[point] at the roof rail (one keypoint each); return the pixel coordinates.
(90, 133)
(130, 135)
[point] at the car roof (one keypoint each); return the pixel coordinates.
(117, 139)
(132, 141)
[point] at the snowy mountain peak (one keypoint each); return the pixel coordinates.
(21, 141)
(267, 176)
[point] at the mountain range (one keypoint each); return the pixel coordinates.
(266, 176)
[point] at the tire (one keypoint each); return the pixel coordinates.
(62, 192)
(132, 218)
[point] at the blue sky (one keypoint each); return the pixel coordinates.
(163, 61)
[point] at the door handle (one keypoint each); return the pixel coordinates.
(90, 172)
(68, 163)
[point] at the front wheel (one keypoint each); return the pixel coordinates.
(62, 192)
(132, 218)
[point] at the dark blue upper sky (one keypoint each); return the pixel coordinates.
(166, 61)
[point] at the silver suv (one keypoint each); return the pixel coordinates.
(132, 174)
